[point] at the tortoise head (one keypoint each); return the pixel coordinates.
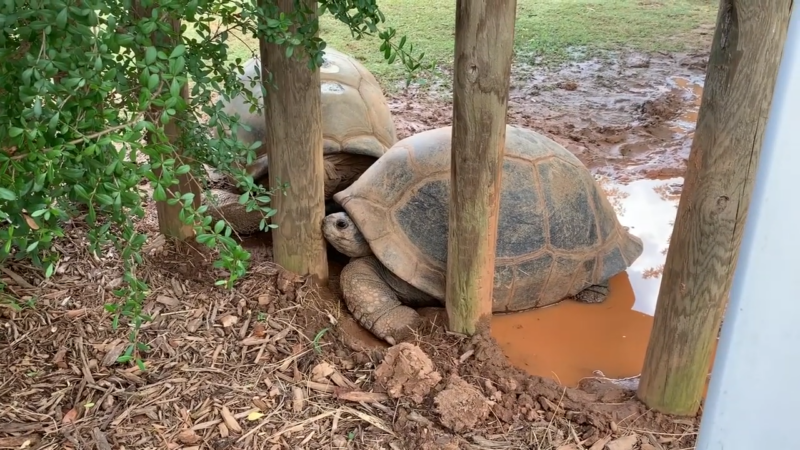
(343, 234)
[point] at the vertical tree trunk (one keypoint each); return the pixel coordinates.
(294, 138)
(703, 251)
(483, 53)
(169, 222)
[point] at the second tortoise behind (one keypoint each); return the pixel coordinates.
(558, 235)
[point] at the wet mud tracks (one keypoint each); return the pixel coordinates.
(627, 116)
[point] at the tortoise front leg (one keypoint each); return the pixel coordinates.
(374, 304)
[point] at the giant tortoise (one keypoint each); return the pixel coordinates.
(357, 128)
(558, 235)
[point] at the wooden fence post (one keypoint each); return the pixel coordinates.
(704, 248)
(293, 135)
(483, 53)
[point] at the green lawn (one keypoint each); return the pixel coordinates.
(544, 28)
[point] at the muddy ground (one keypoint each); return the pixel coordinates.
(627, 116)
(278, 363)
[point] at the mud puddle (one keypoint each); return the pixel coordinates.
(571, 341)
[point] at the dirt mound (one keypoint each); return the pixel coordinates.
(406, 371)
(461, 405)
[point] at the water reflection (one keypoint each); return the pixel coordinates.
(648, 207)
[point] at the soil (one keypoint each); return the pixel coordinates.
(278, 363)
(406, 371)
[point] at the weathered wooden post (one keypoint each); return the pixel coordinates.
(742, 68)
(483, 53)
(293, 135)
(760, 342)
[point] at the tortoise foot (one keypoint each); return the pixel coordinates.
(374, 304)
(596, 293)
(397, 325)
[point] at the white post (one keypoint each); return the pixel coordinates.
(753, 395)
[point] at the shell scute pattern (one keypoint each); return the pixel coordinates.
(557, 232)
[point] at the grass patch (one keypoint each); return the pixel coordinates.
(546, 30)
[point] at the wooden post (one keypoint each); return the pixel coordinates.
(760, 342)
(293, 135)
(704, 248)
(169, 222)
(483, 53)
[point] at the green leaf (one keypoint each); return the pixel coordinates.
(61, 19)
(50, 269)
(14, 131)
(150, 55)
(6, 194)
(219, 226)
(179, 50)
(159, 194)
(152, 82)
(104, 199)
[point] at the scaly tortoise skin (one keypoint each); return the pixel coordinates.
(558, 235)
(357, 129)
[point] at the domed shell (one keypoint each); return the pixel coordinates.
(557, 231)
(355, 114)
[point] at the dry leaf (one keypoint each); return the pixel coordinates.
(601, 443)
(188, 437)
(260, 404)
(264, 300)
(255, 415)
(70, 416)
(228, 320)
(259, 330)
(19, 441)
(58, 360)
(194, 324)
(111, 357)
(297, 403)
(322, 371)
(169, 301)
(568, 447)
(75, 313)
(31, 223)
